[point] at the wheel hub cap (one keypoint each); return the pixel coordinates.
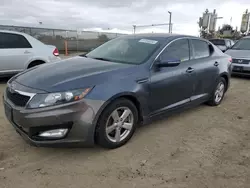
(119, 124)
(219, 92)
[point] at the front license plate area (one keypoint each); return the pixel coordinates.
(8, 111)
(238, 68)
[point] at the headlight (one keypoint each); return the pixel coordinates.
(51, 99)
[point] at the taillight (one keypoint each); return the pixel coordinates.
(56, 52)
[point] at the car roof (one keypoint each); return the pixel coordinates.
(32, 40)
(13, 32)
(161, 35)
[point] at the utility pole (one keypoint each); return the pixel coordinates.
(170, 22)
(134, 28)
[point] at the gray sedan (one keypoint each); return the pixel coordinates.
(102, 96)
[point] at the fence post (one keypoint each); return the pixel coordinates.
(76, 41)
(66, 47)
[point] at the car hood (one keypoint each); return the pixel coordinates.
(238, 53)
(72, 73)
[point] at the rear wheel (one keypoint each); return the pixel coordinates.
(117, 124)
(218, 93)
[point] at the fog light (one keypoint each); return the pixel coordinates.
(55, 133)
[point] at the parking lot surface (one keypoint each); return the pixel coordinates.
(202, 147)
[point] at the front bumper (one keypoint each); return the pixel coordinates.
(240, 69)
(79, 118)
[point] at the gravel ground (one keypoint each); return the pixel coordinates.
(205, 147)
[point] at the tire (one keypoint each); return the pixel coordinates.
(217, 101)
(108, 137)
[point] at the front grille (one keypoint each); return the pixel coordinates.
(16, 98)
(241, 61)
(242, 71)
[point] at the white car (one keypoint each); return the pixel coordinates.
(222, 44)
(19, 51)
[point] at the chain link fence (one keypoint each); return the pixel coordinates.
(77, 41)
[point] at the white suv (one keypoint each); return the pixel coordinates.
(19, 51)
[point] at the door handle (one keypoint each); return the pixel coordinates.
(190, 70)
(143, 80)
(27, 52)
(216, 64)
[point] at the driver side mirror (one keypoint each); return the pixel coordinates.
(163, 62)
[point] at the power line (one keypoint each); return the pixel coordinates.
(170, 24)
(152, 25)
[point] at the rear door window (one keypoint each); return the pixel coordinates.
(200, 49)
(10, 41)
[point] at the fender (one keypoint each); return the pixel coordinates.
(35, 59)
(119, 95)
(227, 78)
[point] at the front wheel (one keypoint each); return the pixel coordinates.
(218, 93)
(117, 124)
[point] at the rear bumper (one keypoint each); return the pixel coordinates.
(78, 118)
(54, 59)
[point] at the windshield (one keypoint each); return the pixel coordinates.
(218, 42)
(125, 50)
(243, 44)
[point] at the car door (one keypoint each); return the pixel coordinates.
(205, 67)
(15, 52)
(171, 87)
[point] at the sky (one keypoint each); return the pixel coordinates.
(119, 15)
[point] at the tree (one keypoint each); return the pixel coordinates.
(226, 27)
(103, 37)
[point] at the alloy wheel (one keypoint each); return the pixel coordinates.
(219, 93)
(119, 124)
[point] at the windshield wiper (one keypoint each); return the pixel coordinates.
(100, 58)
(83, 55)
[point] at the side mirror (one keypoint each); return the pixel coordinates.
(168, 62)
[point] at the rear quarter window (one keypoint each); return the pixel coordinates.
(10, 41)
(200, 49)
